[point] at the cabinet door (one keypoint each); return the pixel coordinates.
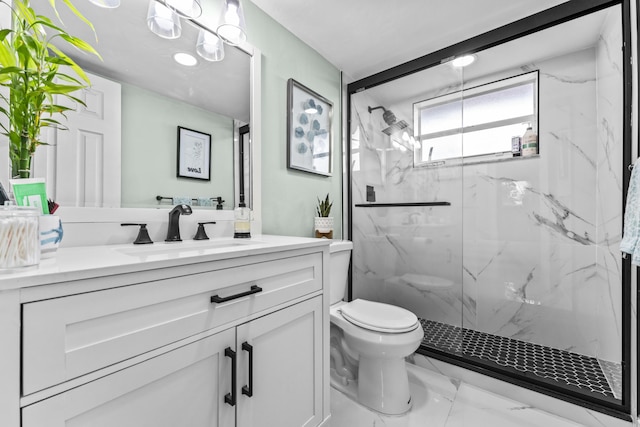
(184, 387)
(286, 351)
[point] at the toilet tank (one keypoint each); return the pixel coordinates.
(339, 256)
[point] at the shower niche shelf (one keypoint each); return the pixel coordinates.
(470, 161)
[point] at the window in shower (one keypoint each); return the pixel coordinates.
(492, 114)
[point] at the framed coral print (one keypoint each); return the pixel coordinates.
(194, 154)
(308, 130)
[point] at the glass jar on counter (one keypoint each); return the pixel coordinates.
(19, 237)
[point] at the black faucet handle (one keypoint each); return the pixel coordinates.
(201, 234)
(143, 234)
(219, 206)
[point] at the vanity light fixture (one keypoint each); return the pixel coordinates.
(164, 16)
(107, 4)
(463, 61)
(232, 28)
(163, 21)
(185, 59)
(209, 46)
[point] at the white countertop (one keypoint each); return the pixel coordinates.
(94, 261)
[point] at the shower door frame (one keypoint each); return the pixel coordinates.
(556, 15)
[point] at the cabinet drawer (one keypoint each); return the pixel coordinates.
(183, 387)
(67, 337)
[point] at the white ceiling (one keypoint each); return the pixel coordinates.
(363, 37)
(132, 54)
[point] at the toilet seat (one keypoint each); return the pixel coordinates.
(379, 317)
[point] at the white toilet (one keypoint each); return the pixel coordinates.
(369, 341)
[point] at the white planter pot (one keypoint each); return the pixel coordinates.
(50, 235)
(324, 226)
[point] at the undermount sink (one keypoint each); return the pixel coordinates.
(164, 250)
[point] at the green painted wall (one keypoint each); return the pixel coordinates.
(149, 149)
(289, 197)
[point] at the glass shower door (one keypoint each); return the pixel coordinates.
(406, 202)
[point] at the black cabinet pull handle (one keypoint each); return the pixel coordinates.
(254, 290)
(230, 398)
(248, 389)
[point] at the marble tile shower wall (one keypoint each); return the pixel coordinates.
(528, 248)
(609, 186)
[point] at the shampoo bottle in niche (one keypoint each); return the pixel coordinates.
(529, 142)
(242, 223)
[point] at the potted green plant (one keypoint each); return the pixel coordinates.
(323, 222)
(35, 72)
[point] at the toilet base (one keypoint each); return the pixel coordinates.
(387, 394)
(383, 385)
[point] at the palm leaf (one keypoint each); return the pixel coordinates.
(80, 44)
(76, 12)
(34, 71)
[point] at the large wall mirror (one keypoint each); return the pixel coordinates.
(158, 95)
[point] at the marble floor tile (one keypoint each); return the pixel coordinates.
(476, 407)
(443, 402)
(431, 407)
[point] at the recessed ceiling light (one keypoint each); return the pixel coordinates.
(463, 61)
(185, 59)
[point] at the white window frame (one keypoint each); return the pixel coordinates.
(461, 96)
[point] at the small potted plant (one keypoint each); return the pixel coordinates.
(36, 72)
(324, 222)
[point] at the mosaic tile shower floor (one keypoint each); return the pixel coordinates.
(574, 372)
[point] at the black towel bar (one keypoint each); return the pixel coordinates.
(393, 205)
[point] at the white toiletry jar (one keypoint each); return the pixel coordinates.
(19, 237)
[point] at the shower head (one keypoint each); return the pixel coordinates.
(388, 116)
(395, 127)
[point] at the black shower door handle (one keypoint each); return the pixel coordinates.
(248, 389)
(230, 398)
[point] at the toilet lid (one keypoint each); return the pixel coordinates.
(380, 317)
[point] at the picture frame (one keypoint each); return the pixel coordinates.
(309, 135)
(194, 154)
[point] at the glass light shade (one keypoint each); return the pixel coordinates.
(210, 46)
(108, 4)
(163, 21)
(185, 8)
(232, 28)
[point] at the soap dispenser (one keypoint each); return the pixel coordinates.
(529, 142)
(242, 223)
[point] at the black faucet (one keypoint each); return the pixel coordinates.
(173, 231)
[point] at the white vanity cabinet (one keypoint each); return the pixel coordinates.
(235, 342)
(193, 386)
(183, 387)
